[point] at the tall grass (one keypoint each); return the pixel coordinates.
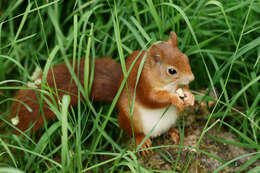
(221, 39)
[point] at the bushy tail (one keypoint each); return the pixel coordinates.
(105, 85)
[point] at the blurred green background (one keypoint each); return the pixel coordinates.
(221, 38)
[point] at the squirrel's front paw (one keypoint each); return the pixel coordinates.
(178, 103)
(189, 98)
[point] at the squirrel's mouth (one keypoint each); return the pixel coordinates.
(171, 87)
(186, 81)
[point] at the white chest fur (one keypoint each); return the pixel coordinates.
(157, 121)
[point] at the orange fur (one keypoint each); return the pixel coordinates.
(106, 78)
(154, 88)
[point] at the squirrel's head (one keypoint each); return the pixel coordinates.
(167, 64)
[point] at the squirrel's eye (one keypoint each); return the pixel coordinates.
(172, 71)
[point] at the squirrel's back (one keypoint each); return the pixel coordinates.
(106, 81)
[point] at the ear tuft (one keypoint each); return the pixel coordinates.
(173, 39)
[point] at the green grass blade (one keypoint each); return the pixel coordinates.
(9, 152)
(10, 170)
(64, 127)
(233, 160)
(135, 32)
(155, 15)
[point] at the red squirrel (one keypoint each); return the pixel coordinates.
(165, 70)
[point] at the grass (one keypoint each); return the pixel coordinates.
(221, 39)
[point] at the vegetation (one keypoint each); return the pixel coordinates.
(221, 39)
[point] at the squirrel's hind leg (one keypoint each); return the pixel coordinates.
(175, 135)
(147, 144)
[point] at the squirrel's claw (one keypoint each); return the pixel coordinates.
(189, 98)
(179, 105)
(177, 102)
(147, 144)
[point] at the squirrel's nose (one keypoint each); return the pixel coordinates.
(191, 77)
(187, 79)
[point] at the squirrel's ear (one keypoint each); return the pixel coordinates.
(155, 54)
(173, 39)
